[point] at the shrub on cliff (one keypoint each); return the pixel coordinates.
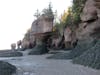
(77, 8)
(73, 17)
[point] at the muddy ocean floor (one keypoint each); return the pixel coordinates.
(39, 65)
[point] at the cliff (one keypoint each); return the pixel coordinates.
(90, 20)
(38, 31)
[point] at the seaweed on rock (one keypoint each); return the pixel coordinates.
(6, 68)
(39, 49)
(77, 51)
(91, 57)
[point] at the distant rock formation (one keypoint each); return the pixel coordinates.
(19, 44)
(13, 46)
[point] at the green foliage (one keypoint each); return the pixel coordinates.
(37, 14)
(27, 36)
(77, 9)
(48, 11)
(68, 21)
(59, 27)
(73, 17)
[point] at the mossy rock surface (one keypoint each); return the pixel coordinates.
(39, 49)
(90, 58)
(77, 51)
(60, 55)
(11, 54)
(80, 48)
(6, 68)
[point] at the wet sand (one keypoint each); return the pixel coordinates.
(39, 65)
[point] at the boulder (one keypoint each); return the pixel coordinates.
(6, 68)
(39, 49)
(40, 27)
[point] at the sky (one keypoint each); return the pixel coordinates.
(16, 17)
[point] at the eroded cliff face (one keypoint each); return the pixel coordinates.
(38, 31)
(89, 28)
(42, 25)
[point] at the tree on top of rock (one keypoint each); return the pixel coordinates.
(48, 11)
(37, 14)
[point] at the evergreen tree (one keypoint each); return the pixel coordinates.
(48, 11)
(37, 14)
(77, 9)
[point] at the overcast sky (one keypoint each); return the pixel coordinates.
(16, 17)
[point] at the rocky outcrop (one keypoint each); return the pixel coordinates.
(90, 26)
(70, 38)
(42, 25)
(19, 44)
(13, 46)
(39, 49)
(38, 34)
(97, 4)
(28, 40)
(6, 68)
(25, 44)
(89, 30)
(89, 11)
